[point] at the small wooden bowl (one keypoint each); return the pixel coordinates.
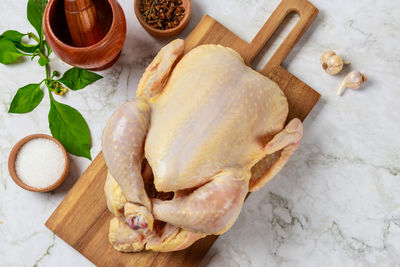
(169, 32)
(13, 156)
(99, 56)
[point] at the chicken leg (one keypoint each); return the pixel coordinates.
(286, 142)
(210, 209)
(123, 140)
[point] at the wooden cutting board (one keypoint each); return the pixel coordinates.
(82, 219)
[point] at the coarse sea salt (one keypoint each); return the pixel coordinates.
(40, 163)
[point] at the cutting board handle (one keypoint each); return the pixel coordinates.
(307, 13)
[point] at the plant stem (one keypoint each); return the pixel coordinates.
(50, 94)
(47, 68)
(43, 53)
(34, 37)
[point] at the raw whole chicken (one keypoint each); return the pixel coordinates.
(203, 131)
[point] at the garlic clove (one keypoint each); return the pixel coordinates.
(332, 63)
(335, 65)
(326, 55)
(353, 80)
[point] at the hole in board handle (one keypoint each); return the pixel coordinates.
(275, 41)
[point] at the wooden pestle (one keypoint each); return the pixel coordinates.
(83, 23)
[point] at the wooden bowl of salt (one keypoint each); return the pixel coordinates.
(38, 163)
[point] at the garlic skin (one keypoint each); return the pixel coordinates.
(332, 63)
(353, 80)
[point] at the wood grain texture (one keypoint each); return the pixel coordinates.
(98, 56)
(83, 23)
(82, 219)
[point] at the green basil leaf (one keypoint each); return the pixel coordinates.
(35, 12)
(76, 78)
(26, 47)
(8, 52)
(14, 36)
(43, 60)
(69, 127)
(26, 99)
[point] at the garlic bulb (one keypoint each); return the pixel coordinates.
(332, 63)
(353, 80)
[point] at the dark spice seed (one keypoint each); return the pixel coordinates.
(162, 14)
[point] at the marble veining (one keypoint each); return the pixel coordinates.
(336, 202)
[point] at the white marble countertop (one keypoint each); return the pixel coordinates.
(337, 201)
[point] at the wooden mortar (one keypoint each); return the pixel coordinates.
(98, 56)
(83, 23)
